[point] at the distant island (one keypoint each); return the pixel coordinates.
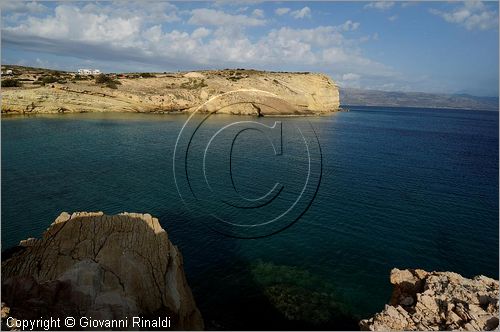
(27, 90)
(359, 97)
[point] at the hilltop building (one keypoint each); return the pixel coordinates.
(89, 71)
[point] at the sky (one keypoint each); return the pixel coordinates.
(437, 47)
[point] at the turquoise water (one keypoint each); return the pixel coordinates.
(400, 188)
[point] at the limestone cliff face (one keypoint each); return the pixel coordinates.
(438, 301)
(277, 93)
(100, 266)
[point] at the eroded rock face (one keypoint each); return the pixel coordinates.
(273, 93)
(438, 301)
(105, 267)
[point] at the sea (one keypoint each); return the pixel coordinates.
(283, 223)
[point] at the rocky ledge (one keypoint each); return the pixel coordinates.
(438, 301)
(100, 266)
(248, 92)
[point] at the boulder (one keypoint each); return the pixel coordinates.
(194, 74)
(100, 266)
(437, 301)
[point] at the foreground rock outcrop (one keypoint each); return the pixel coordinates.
(252, 93)
(438, 301)
(100, 266)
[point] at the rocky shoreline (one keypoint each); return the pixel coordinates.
(244, 92)
(89, 264)
(432, 301)
(108, 267)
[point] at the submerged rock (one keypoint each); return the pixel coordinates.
(438, 301)
(303, 298)
(100, 266)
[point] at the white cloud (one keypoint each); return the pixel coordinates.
(205, 16)
(104, 32)
(21, 7)
(472, 15)
(282, 11)
(393, 18)
(242, 9)
(153, 13)
(301, 13)
(258, 13)
(305, 12)
(351, 61)
(322, 36)
(221, 3)
(201, 33)
(351, 77)
(366, 38)
(76, 24)
(350, 25)
(380, 5)
(409, 4)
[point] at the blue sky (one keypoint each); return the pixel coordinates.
(442, 47)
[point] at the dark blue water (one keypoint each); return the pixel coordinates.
(406, 188)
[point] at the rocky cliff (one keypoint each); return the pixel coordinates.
(438, 301)
(250, 92)
(100, 266)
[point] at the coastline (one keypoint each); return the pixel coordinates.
(238, 92)
(420, 300)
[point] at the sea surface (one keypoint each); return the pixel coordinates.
(397, 187)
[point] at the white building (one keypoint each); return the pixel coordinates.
(89, 71)
(84, 71)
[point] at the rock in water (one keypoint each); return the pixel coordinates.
(438, 301)
(100, 266)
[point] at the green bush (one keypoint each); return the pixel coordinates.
(193, 84)
(47, 79)
(145, 75)
(111, 85)
(103, 79)
(107, 81)
(10, 83)
(80, 77)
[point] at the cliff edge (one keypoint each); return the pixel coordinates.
(434, 301)
(100, 266)
(252, 92)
